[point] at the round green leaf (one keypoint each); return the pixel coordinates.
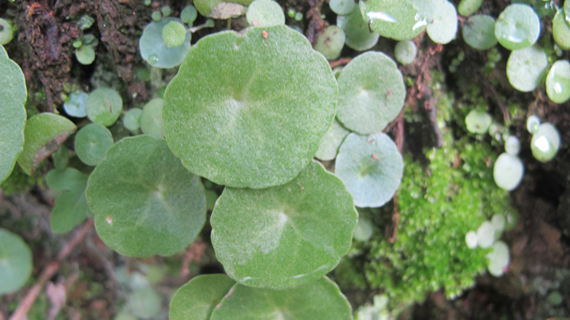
(7, 32)
(44, 133)
(156, 52)
(321, 299)
(15, 262)
(284, 236)
(558, 82)
(92, 142)
(189, 14)
(532, 124)
(405, 51)
(370, 167)
(330, 42)
(85, 55)
(75, 104)
(174, 34)
(526, 68)
(131, 121)
(342, 7)
(331, 141)
(357, 34)
(499, 258)
(561, 31)
(255, 112)
(478, 122)
(363, 231)
(371, 93)
(197, 299)
(145, 303)
(443, 25)
(220, 9)
(517, 27)
(265, 13)
(151, 119)
(104, 106)
(469, 7)
(479, 32)
(398, 19)
(145, 202)
(13, 95)
(508, 171)
(545, 142)
(512, 145)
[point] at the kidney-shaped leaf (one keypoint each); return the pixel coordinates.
(370, 167)
(13, 114)
(321, 299)
(284, 236)
(371, 93)
(15, 262)
(144, 201)
(197, 299)
(44, 133)
(255, 105)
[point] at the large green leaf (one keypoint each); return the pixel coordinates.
(284, 236)
(372, 93)
(44, 133)
(144, 201)
(370, 167)
(13, 120)
(15, 262)
(197, 299)
(319, 300)
(249, 110)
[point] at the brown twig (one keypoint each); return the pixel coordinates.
(49, 271)
(395, 220)
(339, 62)
(316, 24)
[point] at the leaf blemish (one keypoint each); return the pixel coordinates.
(109, 220)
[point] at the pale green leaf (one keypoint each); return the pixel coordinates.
(85, 55)
(357, 34)
(321, 299)
(561, 31)
(371, 93)
(284, 236)
(44, 133)
(517, 27)
(255, 104)
(104, 106)
(13, 95)
(15, 262)
(144, 303)
(526, 68)
(479, 32)
(331, 141)
(508, 171)
(405, 51)
(330, 42)
(558, 82)
(265, 13)
(145, 202)
(443, 25)
(7, 32)
(92, 142)
(545, 142)
(469, 7)
(156, 52)
(342, 7)
(151, 118)
(197, 299)
(131, 120)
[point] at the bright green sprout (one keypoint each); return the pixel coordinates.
(405, 51)
(291, 12)
(508, 171)
(85, 22)
(517, 27)
(77, 44)
(85, 55)
(174, 34)
(558, 82)
(545, 142)
(330, 42)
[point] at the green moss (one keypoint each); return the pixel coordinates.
(19, 182)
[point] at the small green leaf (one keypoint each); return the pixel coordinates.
(499, 258)
(145, 202)
(44, 133)
(371, 93)
(156, 52)
(189, 14)
(508, 171)
(151, 119)
(284, 236)
(561, 31)
(469, 7)
(370, 167)
(517, 27)
(342, 7)
(85, 55)
(131, 121)
(558, 82)
(545, 142)
(478, 122)
(6, 32)
(92, 142)
(104, 106)
(205, 7)
(398, 19)
(358, 35)
(479, 32)
(13, 95)
(197, 299)
(331, 141)
(265, 13)
(405, 51)
(330, 42)
(321, 299)
(442, 27)
(526, 68)
(145, 303)
(70, 210)
(174, 34)
(15, 262)
(256, 112)
(75, 104)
